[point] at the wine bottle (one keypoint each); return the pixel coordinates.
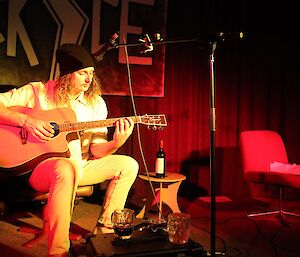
(160, 163)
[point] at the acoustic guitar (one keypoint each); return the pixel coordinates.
(20, 151)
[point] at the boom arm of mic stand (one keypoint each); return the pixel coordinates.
(158, 42)
(204, 39)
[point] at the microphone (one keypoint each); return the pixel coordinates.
(233, 35)
(222, 36)
(98, 56)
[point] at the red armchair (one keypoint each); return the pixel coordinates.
(259, 148)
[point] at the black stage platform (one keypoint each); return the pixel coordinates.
(146, 243)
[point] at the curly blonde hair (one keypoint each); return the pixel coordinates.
(64, 88)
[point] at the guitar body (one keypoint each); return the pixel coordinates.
(17, 156)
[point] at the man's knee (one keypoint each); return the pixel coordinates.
(65, 171)
(132, 166)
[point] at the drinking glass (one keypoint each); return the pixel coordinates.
(178, 227)
(122, 221)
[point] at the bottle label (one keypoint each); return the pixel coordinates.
(160, 166)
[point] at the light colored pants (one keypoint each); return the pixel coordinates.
(60, 177)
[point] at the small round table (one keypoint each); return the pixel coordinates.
(166, 192)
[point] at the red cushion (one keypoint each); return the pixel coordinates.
(273, 178)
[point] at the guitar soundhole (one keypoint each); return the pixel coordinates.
(56, 128)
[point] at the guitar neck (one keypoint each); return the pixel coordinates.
(79, 126)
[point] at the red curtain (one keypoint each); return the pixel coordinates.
(256, 88)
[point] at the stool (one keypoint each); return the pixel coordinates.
(166, 192)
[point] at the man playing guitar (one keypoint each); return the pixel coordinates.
(89, 159)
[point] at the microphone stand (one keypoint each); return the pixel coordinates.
(212, 49)
(213, 253)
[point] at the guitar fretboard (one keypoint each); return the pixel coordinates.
(78, 126)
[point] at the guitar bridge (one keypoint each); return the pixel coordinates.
(24, 136)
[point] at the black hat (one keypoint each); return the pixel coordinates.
(72, 57)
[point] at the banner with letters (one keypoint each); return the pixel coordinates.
(32, 30)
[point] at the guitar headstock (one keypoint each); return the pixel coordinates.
(157, 121)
